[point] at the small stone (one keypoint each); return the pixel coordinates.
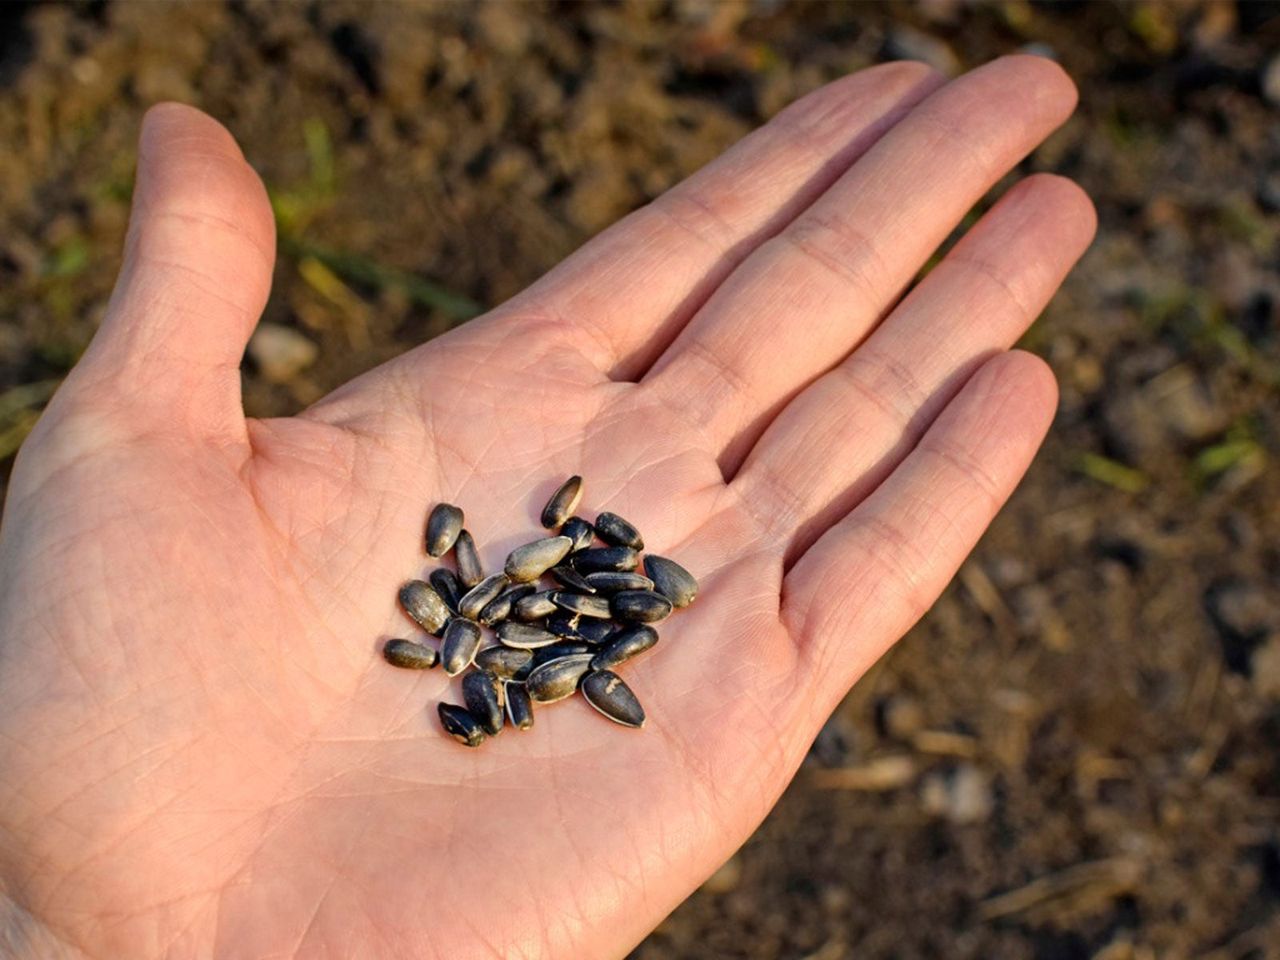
(281, 353)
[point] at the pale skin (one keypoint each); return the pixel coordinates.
(202, 754)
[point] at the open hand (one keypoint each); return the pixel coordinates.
(202, 753)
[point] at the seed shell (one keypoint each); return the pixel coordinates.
(613, 581)
(627, 644)
(594, 631)
(446, 583)
(557, 679)
(482, 693)
(582, 604)
(410, 655)
(562, 503)
(443, 527)
(644, 606)
(568, 577)
(597, 559)
(671, 580)
(559, 650)
(580, 531)
(616, 532)
(524, 636)
(424, 605)
(608, 693)
(519, 706)
(470, 572)
(532, 560)
(535, 606)
(460, 724)
(505, 663)
(460, 645)
(499, 608)
(563, 623)
(478, 597)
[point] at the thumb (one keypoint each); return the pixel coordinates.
(196, 274)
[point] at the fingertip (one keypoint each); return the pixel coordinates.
(167, 121)
(1025, 382)
(1066, 202)
(1046, 77)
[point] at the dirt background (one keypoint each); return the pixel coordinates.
(1077, 754)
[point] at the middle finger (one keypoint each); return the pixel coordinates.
(804, 299)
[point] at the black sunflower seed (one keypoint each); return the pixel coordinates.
(524, 636)
(671, 580)
(478, 597)
(597, 559)
(505, 663)
(535, 606)
(616, 532)
(580, 531)
(443, 527)
(644, 606)
(410, 655)
(532, 560)
(595, 631)
(460, 644)
(608, 693)
(613, 581)
(424, 605)
(482, 693)
(625, 645)
(519, 706)
(446, 583)
(501, 606)
(557, 679)
(460, 724)
(562, 648)
(470, 572)
(568, 577)
(582, 604)
(562, 503)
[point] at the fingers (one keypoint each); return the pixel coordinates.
(196, 274)
(869, 578)
(803, 300)
(838, 440)
(628, 292)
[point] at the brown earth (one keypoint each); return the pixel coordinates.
(1076, 754)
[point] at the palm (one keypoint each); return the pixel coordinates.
(212, 752)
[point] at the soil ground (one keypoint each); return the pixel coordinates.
(1077, 753)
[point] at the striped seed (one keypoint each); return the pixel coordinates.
(519, 706)
(608, 693)
(557, 679)
(505, 663)
(570, 578)
(613, 581)
(446, 583)
(460, 645)
(627, 644)
(671, 580)
(424, 605)
(643, 606)
(482, 693)
(580, 531)
(534, 607)
(597, 559)
(524, 636)
(582, 604)
(500, 607)
(532, 560)
(460, 724)
(470, 572)
(478, 597)
(559, 650)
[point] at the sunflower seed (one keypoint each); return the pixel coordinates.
(579, 531)
(481, 692)
(557, 679)
(468, 560)
(535, 606)
(643, 605)
(562, 503)
(671, 580)
(616, 532)
(460, 724)
(446, 583)
(519, 706)
(563, 623)
(608, 693)
(612, 581)
(582, 604)
(410, 655)
(505, 663)
(443, 527)
(460, 644)
(557, 651)
(532, 560)
(499, 608)
(424, 605)
(566, 576)
(478, 597)
(625, 645)
(594, 631)
(597, 559)
(524, 636)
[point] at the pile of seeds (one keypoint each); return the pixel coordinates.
(552, 640)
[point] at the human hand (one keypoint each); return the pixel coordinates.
(202, 753)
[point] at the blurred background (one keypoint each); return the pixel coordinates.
(1077, 753)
